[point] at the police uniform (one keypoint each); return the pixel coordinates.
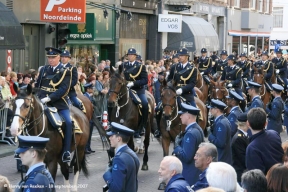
(234, 112)
(232, 75)
(245, 66)
(136, 75)
(221, 133)
(54, 84)
(239, 144)
(122, 175)
(205, 63)
(268, 69)
(274, 111)
(220, 64)
(280, 65)
(188, 144)
(74, 80)
(256, 101)
(285, 121)
(184, 76)
(38, 178)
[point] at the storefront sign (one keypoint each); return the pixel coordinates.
(83, 31)
(208, 9)
(170, 23)
(63, 11)
(282, 42)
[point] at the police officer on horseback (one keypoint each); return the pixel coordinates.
(280, 65)
(65, 57)
(54, 83)
(220, 64)
(245, 66)
(205, 65)
(184, 76)
(232, 75)
(137, 78)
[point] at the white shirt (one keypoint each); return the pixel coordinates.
(245, 133)
(184, 65)
(33, 167)
(55, 67)
(131, 63)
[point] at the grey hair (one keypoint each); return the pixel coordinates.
(210, 150)
(174, 164)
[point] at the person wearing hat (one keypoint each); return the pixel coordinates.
(54, 83)
(65, 58)
(274, 109)
(175, 58)
(232, 74)
(89, 90)
(221, 63)
(122, 174)
(32, 152)
(204, 63)
(245, 66)
(239, 144)
(280, 65)
(220, 133)
(186, 144)
(233, 100)
(253, 90)
(184, 76)
(139, 58)
(137, 79)
(268, 69)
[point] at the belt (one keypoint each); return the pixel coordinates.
(48, 89)
(181, 85)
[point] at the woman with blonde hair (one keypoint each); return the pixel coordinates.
(4, 184)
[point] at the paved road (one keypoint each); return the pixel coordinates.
(97, 162)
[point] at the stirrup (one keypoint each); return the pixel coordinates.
(66, 157)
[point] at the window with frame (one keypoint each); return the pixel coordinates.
(260, 7)
(267, 6)
(277, 17)
(253, 4)
(237, 3)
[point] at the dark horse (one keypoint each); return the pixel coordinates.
(30, 120)
(170, 124)
(125, 110)
(258, 77)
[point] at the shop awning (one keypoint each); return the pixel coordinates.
(248, 33)
(196, 34)
(11, 33)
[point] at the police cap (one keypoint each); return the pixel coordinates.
(277, 88)
(51, 51)
(234, 95)
(217, 104)
(252, 84)
(132, 51)
(242, 117)
(88, 86)
(188, 109)
(265, 53)
(223, 52)
(31, 142)
(231, 57)
(117, 128)
(203, 50)
(183, 51)
(138, 57)
(243, 55)
(65, 54)
(175, 56)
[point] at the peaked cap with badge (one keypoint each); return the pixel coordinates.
(234, 95)
(31, 142)
(252, 84)
(132, 51)
(185, 108)
(217, 104)
(183, 51)
(51, 51)
(65, 54)
(117, 128)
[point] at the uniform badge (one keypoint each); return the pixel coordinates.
(239, 135)
(130, 49)
(187, 140)
(50, 50)
(274, 106)
(64, 52)
(115, 167)
(219, 129)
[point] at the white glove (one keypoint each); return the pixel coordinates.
(277, 71)
(229, 85)
(45, 100)
(202, 73)
(179, 91)
(131, 84)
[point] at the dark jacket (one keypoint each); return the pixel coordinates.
(177, 184)
(205, 65)
(264, 151)
(232, 117)
(275, 115)
(74, 80)
(245, 66)
(256, 102)
(232, 75)
(202, 182)
(221, 138)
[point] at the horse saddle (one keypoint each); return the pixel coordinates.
(83, 106)
(268, 87)
(57, 120)
(206, 79)
(135, 98)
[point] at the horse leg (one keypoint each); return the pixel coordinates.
(52, 167)
(141, 145)
(65, 172)
(146, 145)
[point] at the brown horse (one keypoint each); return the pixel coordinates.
(258, 77)
(170, 124)
(126, 112)
(202, 86)
(30, 120)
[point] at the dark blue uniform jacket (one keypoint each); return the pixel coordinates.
(275, 115)
(177, 183)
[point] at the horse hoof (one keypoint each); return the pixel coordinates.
(144, 167)
(141, 151)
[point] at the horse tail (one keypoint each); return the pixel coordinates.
(84, 166)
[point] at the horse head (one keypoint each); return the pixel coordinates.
(117, 86)
(169, 100)
(258, 74)
(22, 108)
(218, 90)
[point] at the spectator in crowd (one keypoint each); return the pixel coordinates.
(118, 64)
(91, 78)
(151, 72)
(13, 80)
(254, 181)
(5, 91)
(19, 78)
(206, 154)
(170, 173)
(108, 62)
(101, 66)
(26, 80)
(265, 148)
(82, 82)
(277, 178)
(156, 86)
(285, 149)
(223, 176)
(239, 144)
(211, 189)
(5, 184)
(101, 93)
(106, 78)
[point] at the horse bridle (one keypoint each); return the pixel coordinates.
(216, 91)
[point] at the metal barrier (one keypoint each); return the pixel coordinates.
(3, 121)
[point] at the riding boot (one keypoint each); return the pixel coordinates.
(157, 133)
(66, 157)
(143, 125)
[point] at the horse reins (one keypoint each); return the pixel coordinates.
(118, 98)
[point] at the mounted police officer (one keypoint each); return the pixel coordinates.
(232, 75)
(221, 63)
(245, 66)
(274, 109)
(184, 76)
(280, 65)
(205, 65)
(175, 58)
(65, 58)
(137, 78)
(54, 83)
(32, 152)
(253, 90)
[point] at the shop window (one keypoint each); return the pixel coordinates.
(260, 7)
(267, 6)
(237, 3)
(277, 17)
(83, 54)
(252, 46)
(253, 4)
(235, 44)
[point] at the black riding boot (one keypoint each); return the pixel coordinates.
(66, 157)
(143, 125)
(157, 133)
